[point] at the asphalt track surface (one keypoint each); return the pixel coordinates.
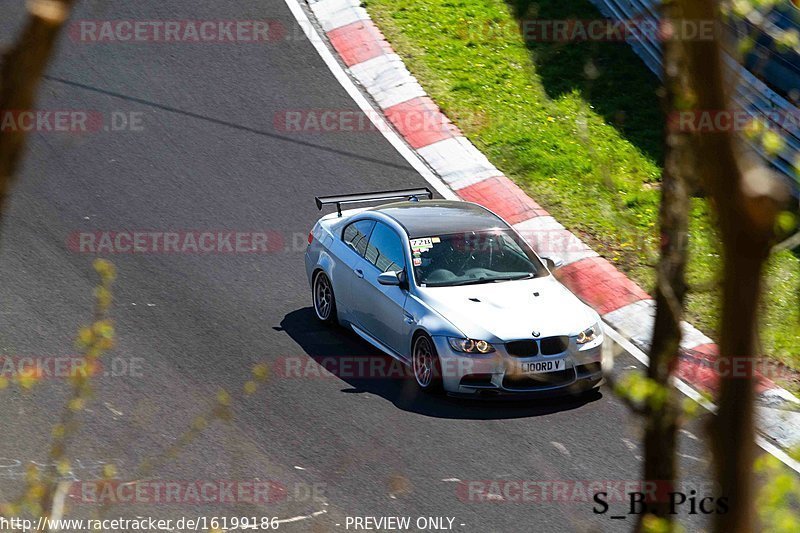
(208, 157)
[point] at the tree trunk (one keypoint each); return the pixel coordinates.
(746, 206)
(22, 69)
(661, 424)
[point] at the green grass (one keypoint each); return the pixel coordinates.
(578, 126)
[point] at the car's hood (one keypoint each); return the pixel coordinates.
(500, 312)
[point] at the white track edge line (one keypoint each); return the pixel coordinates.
(301, 517)
(376, 116)
(690, 392)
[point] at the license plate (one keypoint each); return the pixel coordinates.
(543, 367)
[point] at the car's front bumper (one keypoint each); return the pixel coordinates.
(500, 374)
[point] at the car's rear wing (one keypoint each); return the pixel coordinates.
(409, 194)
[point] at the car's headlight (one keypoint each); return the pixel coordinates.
(470, 345)
(588, 335)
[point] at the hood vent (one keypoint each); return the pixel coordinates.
(477, 300)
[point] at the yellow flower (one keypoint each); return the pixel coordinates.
(85, 336)
(63, 467)
(109, 471)
(103, 297)
(261, 372)
(223, 397)
(772, 142)
(76, 404)
(199, 423)
(106, 269)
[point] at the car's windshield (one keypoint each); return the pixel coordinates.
(472, 258)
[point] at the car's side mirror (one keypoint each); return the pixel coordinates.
(403, 277)
(553, 263)
(394, 279)
(391, 279)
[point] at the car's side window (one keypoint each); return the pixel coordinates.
(385, 249)
(356, 235)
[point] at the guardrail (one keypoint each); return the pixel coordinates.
(751, 94)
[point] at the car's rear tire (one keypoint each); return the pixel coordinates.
(324, 300)
(425, 364)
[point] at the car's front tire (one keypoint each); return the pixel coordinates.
(425, 364)
(323, 297)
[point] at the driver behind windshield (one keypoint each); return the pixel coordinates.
(472, 258)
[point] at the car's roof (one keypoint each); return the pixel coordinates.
(427, 218)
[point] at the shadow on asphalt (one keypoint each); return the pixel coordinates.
(339, 351)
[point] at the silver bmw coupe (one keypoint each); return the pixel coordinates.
(453, 291)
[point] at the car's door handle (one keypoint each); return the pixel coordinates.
(359, 273)
(409, 317)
